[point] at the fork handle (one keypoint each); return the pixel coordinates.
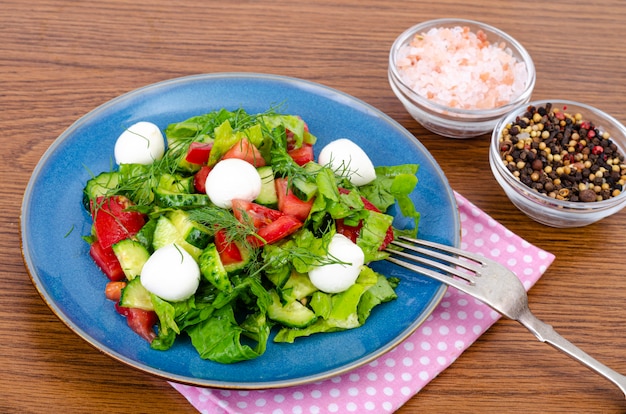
(546, 333)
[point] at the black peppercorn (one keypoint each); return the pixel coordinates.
(569, 159)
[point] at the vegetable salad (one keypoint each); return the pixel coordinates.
(226, 229)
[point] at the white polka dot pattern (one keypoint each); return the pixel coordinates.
(388, 382)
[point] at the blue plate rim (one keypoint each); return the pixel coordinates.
(318, 88)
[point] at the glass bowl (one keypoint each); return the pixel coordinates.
(561, 197)
(435, 113)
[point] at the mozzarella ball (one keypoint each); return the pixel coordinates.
(337, 277)
(141, 143)
(171, 273)
(348, 160)
(230, 179)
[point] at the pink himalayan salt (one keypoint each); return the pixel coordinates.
(458, 68)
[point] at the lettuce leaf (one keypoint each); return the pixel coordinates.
(219, 338)
(339, 311)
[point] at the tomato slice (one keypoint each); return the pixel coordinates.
(107, 261)
(302, 155)
(245, 150)
(289, 203)
(198, 152)
(112, 222)
(228, 250)
(278, 229)
(140, 321)
(199, 179)
(351, 232)
(259, 215)
(271, 225)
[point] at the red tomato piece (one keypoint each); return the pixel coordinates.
(245, 150)
(112, 222)
(107, 261)
(351, 232)
(199, 152)
(259, 215)
(140, 321)
(278, 229)
(303, 154)
(199, 180)
(289, 203)
(228, 250)
(271, 225)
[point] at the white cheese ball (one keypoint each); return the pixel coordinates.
(171, 273)
(337, 277)
(141, 143)
(348, 160)
(230, 179)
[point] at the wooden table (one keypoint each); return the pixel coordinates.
(59, 59)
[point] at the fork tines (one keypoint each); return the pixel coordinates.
(431, 259)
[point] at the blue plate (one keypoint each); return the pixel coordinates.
(53, 222)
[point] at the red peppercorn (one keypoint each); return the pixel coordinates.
(597, 150)
(585, 125)
(591, 133)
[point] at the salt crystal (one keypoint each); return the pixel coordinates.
(458, 68)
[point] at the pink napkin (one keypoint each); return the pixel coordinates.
(388, 382)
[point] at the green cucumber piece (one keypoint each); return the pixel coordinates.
(297, 287)
(303, 189)
(293, 314)
(267, 196)
(166, 233)
(132, 255)
(280, 277)
(212, 268)
(192, 232)
(135, 295)
(176, 183)
(169, 199)
(98, 186)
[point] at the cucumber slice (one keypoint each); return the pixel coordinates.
(132, 255)
(134, 295)
(99, 186)
(297, 287)
(191, 231)
(293, 314)
(169, 199)
(279, 278)
(166, 233)
(176, 183)
(212, 268)
(303, 189)
(267, 196)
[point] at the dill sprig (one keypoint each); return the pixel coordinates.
(215, 218)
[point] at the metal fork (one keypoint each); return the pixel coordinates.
(494, 285)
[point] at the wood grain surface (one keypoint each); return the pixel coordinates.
(59, 59)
